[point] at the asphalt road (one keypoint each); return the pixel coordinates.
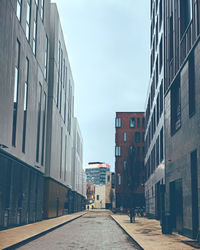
(95, 231)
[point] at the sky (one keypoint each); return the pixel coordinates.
(108, 47)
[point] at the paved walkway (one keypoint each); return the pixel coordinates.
(21, 234)
(147, 233)
(95, 230)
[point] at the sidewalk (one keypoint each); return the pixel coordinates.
(18, 235)
(147, 233)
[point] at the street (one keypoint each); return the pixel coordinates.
(95, 230)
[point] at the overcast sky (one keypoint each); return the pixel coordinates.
(108, 48)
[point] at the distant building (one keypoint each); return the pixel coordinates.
(90, 192)
(154, 116)
(100, 196)
(110, 190)
(129, 159)
(96, 172)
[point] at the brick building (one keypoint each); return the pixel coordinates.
(182, 114)
(129, 159)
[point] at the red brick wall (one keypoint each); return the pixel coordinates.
(124, 188)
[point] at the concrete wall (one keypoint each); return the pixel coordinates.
(100, 191)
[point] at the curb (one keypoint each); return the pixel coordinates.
(127, 234)
(23, 242)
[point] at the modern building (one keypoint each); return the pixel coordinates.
(100, 196)
(110, 190)
(182, 112)
(37, 112)
(24, 54)
(154, 116)
(129, 160)
(59, 141)
(96, 172)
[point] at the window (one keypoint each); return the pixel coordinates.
(138, 122)
(61, 149)
(137, 137)
(117, 151)
(185, 15)
(38, 123)
(97, 197)
(161, 144)
(175, 106)
(46, 59)
(132, 122)
(160, 12)
(25, 104)
(143, 136)
(161, 98)
(118, 122)
(161, 53)
(43, 127)
(158, 109)
(42, 10)
(191, 85)
(65, 173)
(28, 19)
(143, 123)
(157, 151)
(35, 29)
(108, 178)
(125, 165)
(15, 99)
(125, 137)
(119, 179)
(138, 151)
(19, 9)
(58, 80)
(171, 38)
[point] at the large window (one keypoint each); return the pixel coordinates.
(42, 10)
(161, 145)
(137, 137)
(28, 19)
(15, 99)
(19, 9)
(125, 137)
(46, 58)
(38, 123)
(118, 122)
(175, 106)
(117, 151)
(171, 38)
(185, 15)
(191, 85)
(25, 104)
(35, 28)
(161, 98)
(43, 127)
(132, 122)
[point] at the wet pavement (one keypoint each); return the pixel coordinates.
(95, 230)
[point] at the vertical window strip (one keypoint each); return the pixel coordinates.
(19, 9)
(58, 83)
(38, 123)
(42, 10)
(25, 105)
(15, 99)
(46, 58)
(43, 128)
(35, 28)
(65, 172)
(61, 142)
(28, 19)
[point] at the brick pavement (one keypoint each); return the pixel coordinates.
(147, 233)
(17, 235)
